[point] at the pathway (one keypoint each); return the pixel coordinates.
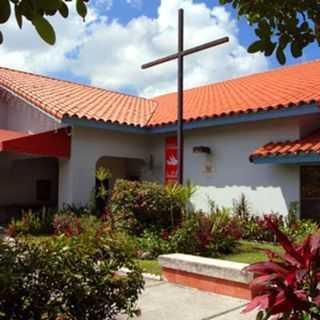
(164, 301)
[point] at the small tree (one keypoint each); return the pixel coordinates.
(279, 24)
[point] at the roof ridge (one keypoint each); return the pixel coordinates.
(281, 68)
(76, 83)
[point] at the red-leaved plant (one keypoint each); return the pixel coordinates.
(287, 286)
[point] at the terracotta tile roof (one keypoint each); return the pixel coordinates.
(66, 99)
(279, 88)
(307, 145)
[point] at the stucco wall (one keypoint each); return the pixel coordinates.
(77, 175)
(17, 115)
(268, 187)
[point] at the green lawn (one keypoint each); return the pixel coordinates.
(247, 252)
(251, 252)
(150, 266)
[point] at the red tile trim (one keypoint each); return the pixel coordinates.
(209, 284)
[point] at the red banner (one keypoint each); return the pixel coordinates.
(171, 158)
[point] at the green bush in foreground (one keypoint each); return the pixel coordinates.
(69, 279)
(136, 206)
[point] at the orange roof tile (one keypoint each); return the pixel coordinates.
(279, 88)
(307, 145)
(66, 99)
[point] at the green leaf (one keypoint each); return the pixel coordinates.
(64, 10)
(269, 48)
(5, 11)
(255, 47)
(296, 49)
(260, 315)
(281, 56)
(18, 16)
(1, 38)
(44, 29)
(81, 8)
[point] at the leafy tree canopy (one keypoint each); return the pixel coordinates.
(36, 11)
(280, 24)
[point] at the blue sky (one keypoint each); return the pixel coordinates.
(119, 35)
(124, 13)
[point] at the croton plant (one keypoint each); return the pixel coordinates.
(287, 286)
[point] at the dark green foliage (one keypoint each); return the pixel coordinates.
(200, 234)
(280, 24)
(35, 11)
(68, 278)
(136, 206)
(32, 223)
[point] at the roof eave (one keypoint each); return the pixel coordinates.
(284, 112)
(297, 159)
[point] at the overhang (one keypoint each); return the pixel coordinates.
(54, 143)
(305, 150)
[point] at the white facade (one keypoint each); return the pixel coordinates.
(77, 175)
(227, 173)
(222, 176)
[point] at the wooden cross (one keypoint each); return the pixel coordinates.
(180, 57)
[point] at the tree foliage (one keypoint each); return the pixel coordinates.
(36, 12)
(281, 24)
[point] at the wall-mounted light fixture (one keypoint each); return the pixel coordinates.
(202, 149)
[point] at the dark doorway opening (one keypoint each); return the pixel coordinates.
(310, 192)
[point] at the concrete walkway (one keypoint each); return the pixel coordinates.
(164, 301)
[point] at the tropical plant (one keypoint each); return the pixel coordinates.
(279, 23)
(67, 224)
(241, 207)
(136, 206)
(31, 223)
(36, 11)
(68, 278)
(287, 285)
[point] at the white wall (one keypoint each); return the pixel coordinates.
(77, 175)
(268, 187)
(17, 115)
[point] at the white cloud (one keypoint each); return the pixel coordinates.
(135, 3)
(110, 54)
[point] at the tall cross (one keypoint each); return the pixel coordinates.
(180, 57)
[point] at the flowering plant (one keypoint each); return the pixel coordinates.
(287, 285)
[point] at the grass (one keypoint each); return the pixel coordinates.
(150, 266)
(247, 252)
(251, 252)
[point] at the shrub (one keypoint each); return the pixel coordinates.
(67, 224)
(207, 235)
(31, 223)
(287, 286)
(136, 206)
(151, 244)
(67, 278)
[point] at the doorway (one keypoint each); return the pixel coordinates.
(310, 192)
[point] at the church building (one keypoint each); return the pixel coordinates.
(257, 135)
